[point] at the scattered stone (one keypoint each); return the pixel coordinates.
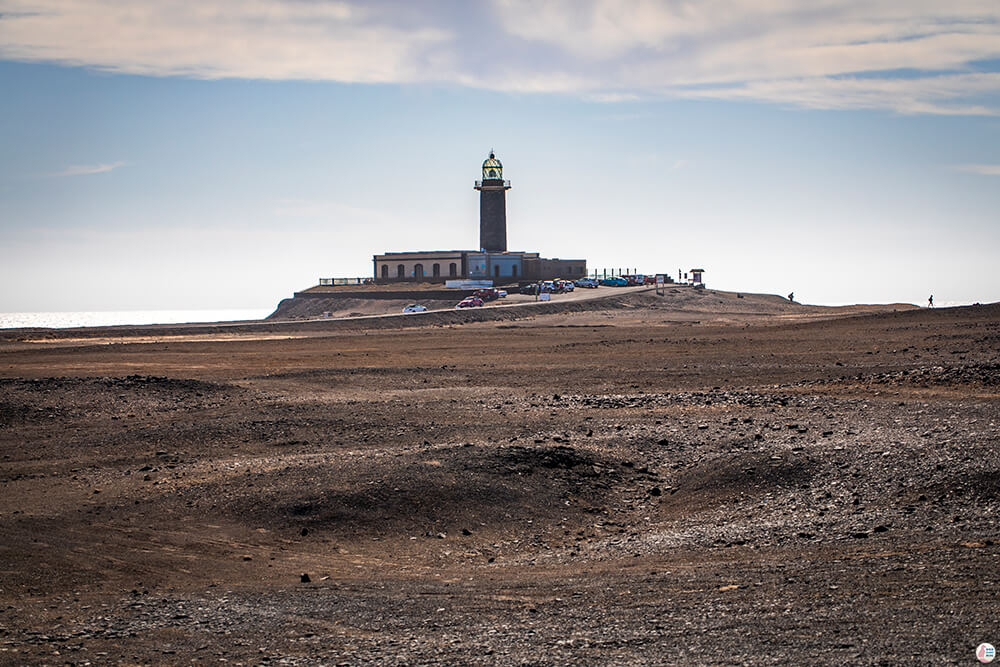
(304, 578)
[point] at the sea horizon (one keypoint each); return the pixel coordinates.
(104, 318)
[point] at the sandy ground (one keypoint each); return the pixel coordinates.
(695, 478)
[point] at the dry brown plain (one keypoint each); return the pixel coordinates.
(689, 479)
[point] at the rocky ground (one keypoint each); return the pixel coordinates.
(654, 482)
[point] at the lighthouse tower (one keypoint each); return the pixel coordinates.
(493, 206)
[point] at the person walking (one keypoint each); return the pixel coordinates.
(930, 301)
(791, 296)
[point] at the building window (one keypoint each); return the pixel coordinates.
(513, 271)
(418, 271)
(436, 270)
(496, 271)
(385, 270)
(400, 271)
(453, 269)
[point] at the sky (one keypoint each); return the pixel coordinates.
(226, 153)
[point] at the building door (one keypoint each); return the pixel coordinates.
(436, 270)
(385, 270)
(400, 271)
(453, 270)
(418, 271)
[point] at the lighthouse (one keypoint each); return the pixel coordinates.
(491, 263)
(493, 206)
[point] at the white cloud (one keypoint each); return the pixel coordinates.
(941, 94)
(258, 39)
(982, 169)
(88, 169)
(909, 56)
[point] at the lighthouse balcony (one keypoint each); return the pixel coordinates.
(492, 183)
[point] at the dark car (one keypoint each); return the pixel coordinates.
(487, 294)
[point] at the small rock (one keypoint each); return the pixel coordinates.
(655, 491)
(466, 532)
(304, 578)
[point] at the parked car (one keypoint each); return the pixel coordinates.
(567, 285)
(414, 308)
(470, 302)
(588, 283)
(487, 294)
(501, 293)
(614, 281)
(531, 288)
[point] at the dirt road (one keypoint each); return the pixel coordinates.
(699, 482)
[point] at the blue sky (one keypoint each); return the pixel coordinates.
(223, 155)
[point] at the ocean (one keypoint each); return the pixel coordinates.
(67, 320)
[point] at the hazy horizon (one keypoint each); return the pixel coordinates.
(157, 157)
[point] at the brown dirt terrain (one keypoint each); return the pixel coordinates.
(699, 478)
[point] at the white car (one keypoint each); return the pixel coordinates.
(501, 293)
(414, 308)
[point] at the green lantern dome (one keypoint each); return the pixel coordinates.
(492, 168)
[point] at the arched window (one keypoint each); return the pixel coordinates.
(436, 270)
(385, 270)
(418, 271)
(400, 271)
(453, 269)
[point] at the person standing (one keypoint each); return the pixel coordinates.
(930, 301)
(791, 296)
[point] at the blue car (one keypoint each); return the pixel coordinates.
(614, 281)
